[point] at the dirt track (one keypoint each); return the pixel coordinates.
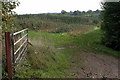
(92, 65)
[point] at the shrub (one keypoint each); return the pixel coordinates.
(111, 24)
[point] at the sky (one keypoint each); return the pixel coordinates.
(55, 6)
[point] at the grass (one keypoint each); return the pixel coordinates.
(91, 42)
(55, 22)
(44, 60)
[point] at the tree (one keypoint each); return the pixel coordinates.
(8, 14)
(63, 12)
(89, 11)
(111, 24)
(83, 12)
(71, 13)
(97, 11)
(7, 23)
(76, 12)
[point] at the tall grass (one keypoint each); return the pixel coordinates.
(54, 23)
(43, 59)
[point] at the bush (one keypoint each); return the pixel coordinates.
(111, 24)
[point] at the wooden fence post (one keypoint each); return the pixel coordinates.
(8, 54)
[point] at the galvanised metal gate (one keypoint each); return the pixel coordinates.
(16, 44)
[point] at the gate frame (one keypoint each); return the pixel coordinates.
(9, 45)
(14, 43)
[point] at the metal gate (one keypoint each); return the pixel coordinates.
(16, 44)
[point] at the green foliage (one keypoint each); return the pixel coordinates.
(8, 14)
(111, 24)
(63, 12)
(55, 22)
(89, 11)
(76, 12)
(91, 42)
(7, 24)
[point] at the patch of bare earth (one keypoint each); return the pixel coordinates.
(93, 65)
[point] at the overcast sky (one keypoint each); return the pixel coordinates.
(51, 6)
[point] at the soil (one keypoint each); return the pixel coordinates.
(93, 65)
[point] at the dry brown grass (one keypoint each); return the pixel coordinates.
(79, 31)
(40, 51)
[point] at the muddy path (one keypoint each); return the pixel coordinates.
(93, 65)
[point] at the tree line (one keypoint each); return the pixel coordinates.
(77, 12)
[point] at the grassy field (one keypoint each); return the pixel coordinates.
(55, 38)
(56, 23)
(49, 57)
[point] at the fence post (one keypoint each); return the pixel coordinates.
(8, 54)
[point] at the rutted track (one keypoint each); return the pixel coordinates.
(94, 65)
